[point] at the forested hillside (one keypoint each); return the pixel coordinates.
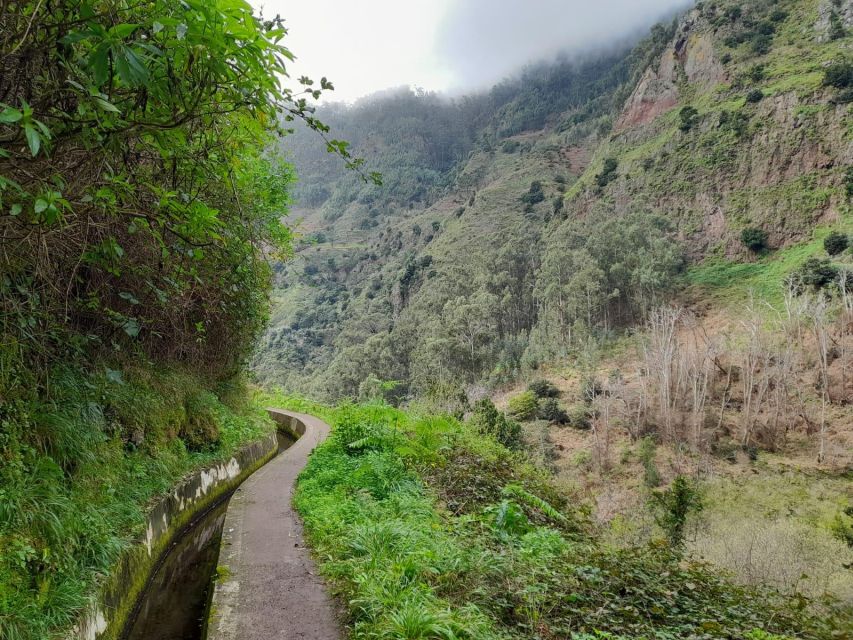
(465, 182)
(564, 203)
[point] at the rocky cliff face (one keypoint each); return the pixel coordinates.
(690, 60)
(720, 137)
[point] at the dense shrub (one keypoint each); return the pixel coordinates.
(534, 194)
(651, 476)
(488, 420)
(836, 242)
(579, 416)
(839, 75)
(756, 95)
(543, 388)
(816, 273)
(673, 506)
(836, 26)
(608, 172)
(523, 406)
(761, 43)
(688, 117)
(754, 239)
(510, 146)
(550, 410)
(778, 15)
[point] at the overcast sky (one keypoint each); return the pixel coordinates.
(447, 45)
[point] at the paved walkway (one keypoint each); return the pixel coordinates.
(270, 589)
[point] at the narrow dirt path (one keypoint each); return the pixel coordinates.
(269, 588)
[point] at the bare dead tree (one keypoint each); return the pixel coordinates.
(819, 315)
(845, 326)
(755, 361)
(661, 364)
(698, 362)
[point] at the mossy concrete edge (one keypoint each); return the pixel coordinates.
(113, 607)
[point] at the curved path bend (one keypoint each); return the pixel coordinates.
(269, 587)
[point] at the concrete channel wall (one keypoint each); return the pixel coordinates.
(108, 616)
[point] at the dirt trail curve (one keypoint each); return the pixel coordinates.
(269, 588)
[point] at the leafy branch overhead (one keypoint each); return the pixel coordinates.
(132, 159)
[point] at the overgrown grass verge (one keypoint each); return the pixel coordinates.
(428, 529)
(79, 472)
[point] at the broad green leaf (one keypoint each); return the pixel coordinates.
(33, 139)
(123, 30)
(131, 327)
(10, 115)
(15, 209)
(114, 376)
(99, 63)
(106, 105)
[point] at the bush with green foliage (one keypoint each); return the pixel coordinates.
(756, 95)
(688, 116)
(754, 239)
(651, 475)
(523, 406)
(816, 273)
(579, 416)
(534, 194)
(839, 75)
(673, 506)
(549, 409)
(761, 43)
(543, 388)
(486, 419)
(836, 242)
(608, 173)
(842, 526)
(836, 25)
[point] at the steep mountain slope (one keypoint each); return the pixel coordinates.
(562, 204)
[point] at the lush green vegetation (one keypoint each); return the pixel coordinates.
(138, 210)
(80, 468)
(430, 529)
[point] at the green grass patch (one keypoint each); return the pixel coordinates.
(428, 529)
(733, 281)
(78, 474)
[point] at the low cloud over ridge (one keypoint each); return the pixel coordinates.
(481, 41)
